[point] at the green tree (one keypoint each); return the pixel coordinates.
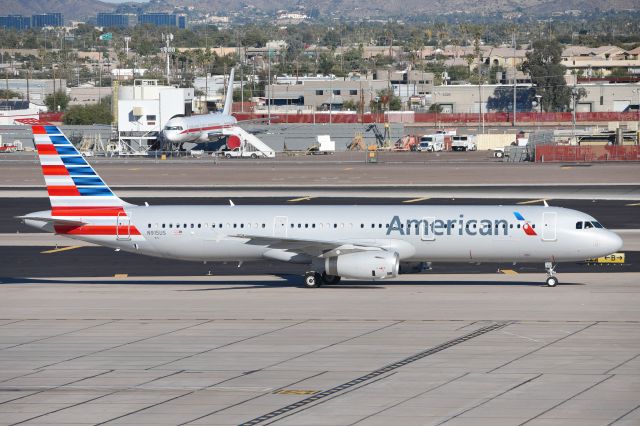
(57, 101)
(90, 114)
(547, 74)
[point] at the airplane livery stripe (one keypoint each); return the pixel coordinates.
(74, 160)
(54, 170)
(87, 211)
(62, 190)
(98, 191)
(97, 230)
(65, 150)
(44, 149)
(81, 171)
(88, 180)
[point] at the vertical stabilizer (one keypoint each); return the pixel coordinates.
(228, 101)
(71, 181)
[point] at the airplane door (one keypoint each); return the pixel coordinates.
(549, 222)
(280, 226)
(426, 229)
(123, 227)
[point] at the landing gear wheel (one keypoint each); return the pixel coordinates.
(312, 280)
(551, 281)
(331, 279)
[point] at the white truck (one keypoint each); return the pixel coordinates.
(463, 143)
(323, 145)
(239, 152)
(432, 143)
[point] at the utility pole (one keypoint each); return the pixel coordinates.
(515, 87)
(269, 88)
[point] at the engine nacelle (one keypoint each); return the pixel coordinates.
(366, 265)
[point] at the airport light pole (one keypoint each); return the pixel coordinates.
(168, 38)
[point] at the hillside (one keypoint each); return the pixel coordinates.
(71, 9)
(83, 9)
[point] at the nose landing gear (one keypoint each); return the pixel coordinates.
(551, 280)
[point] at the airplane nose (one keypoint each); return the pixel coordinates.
(611, 242)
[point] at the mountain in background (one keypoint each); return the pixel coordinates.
(84, 9)
(71, 9)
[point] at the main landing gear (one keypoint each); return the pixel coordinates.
(314, 279)
(552, 280)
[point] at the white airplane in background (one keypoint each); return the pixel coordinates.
(362, 242)
(198, 128)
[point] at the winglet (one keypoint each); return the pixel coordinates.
(229, 98)
(231, 203)
(545, 203)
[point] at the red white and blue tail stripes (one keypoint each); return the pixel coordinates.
(70, 180)
(76, 191)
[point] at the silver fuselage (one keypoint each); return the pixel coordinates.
(416, 233)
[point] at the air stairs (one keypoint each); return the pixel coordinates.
(249, 142)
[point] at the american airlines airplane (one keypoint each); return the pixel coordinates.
(197, 128)
(361, 242)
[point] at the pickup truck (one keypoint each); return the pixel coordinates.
(463, 143)
(243, 153)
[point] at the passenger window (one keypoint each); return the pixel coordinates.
(185, 225)
(578, 225)
(335, 225)
(299, 225)
(292, 225)
(149, 225)
(163, 225)
(306, 225)
(171, 225)
(313, 225)
(362, 225)
(192, 226)
(264, 226)
(242, 225)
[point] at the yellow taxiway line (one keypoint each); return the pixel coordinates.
(534, 201)
(295, 200)
(57, 250)
(415, 200)
(508, 272)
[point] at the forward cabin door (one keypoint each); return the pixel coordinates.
(549, 223)
(280, 226)
(123, 227)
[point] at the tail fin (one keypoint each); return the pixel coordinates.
(229, 97)
(71, 181)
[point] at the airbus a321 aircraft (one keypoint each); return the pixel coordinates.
(362, 242)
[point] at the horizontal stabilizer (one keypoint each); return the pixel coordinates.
(53, 221)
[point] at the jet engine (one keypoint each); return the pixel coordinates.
(366, 265)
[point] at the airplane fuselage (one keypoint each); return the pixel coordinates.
(415, 233)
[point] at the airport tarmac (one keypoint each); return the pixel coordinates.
(91, 336)
(339, 170)
(455, 350)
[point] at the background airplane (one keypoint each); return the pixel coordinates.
(362, 242)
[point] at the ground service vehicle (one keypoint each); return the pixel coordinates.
(463, 143)
(432, 143)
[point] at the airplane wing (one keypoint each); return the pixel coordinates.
(320, 248)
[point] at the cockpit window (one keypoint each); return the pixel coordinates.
(597, 224)
(173, 128)
(588, 225)
(578, 225)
